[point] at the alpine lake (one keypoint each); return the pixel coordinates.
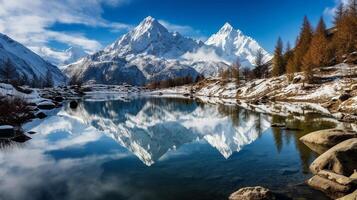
(150, 148)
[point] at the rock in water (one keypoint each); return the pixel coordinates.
(22, 138)
(7, 131)
(46, 105)
(329, 186)
(41, 115)
(252, 193)
(59, 99)
(352, 196)
(321, 141)
(73, 104)
(340, 159)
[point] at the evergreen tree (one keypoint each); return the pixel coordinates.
(48, 79)
(339, 14)
(8, 71)
(259, 58)
(260, 69)
(235, 69)
(278, 60)
(303, 44)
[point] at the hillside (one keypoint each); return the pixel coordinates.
(27, 64)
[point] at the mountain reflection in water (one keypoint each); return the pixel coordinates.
(177, 140)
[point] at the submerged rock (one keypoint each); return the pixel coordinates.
(41, 115)
(277, 125)
(22, 138)
(252, 193)
(340, 159)
(329, 186)
(7, 131)
(321, 141)
(46, 105)
(352, 196)
(59, 99)
(73, 104)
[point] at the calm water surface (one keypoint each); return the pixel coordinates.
(157, 149)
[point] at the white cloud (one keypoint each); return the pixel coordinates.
(330, 11)
(30, 22)
(203, 54)
(183, 29)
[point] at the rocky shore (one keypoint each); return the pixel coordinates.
(335, 170)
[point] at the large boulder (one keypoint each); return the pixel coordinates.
(340, 159)
(321, 141)
(352, 196)
(73, 104)
(252, 193)
(46, 105)
(334, 185)
(7, 131)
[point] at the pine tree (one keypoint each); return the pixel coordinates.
(235, 70)
(8, 71)
(259, 58)
(303, 44)
(48, 79)
(339, 13)
(278, 60)
(260, 67)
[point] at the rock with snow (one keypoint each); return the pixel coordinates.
(27, 63)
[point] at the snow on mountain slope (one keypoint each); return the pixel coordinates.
(151, 37)
(26, 62)
(233, 45)
(61, 58)
(150, 53)
(143, 55)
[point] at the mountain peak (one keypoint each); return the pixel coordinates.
(149, 22)
(149, 19)
(227, 27)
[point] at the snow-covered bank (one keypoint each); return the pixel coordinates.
(334, 93)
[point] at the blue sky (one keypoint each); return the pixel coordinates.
(93, 24)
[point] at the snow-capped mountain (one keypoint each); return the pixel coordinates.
(144, 54)
(152, 38)
(150, 52)
(27, 63)
(233, 45)
(61, 58)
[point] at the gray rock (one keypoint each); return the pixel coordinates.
(41, 115)
(46, 105)
(252, 193)
(7, 131)
(73, 104)
(340, 159)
